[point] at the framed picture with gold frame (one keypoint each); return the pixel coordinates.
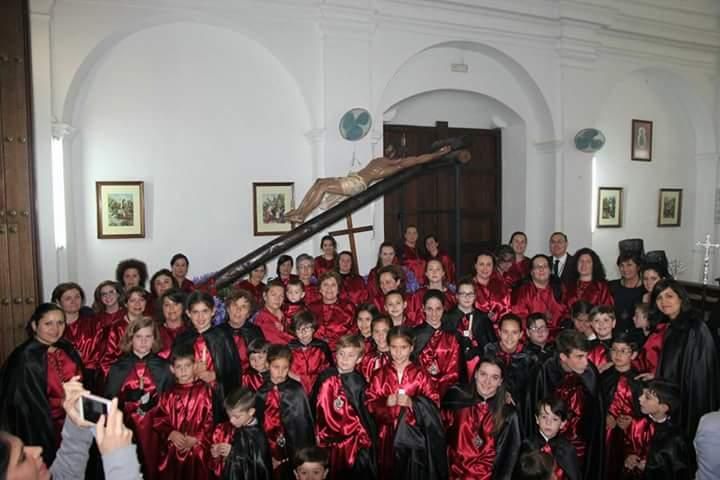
(120, 209)
(609, 207)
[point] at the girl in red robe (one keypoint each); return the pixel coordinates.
(379, 354)
(434, 280)
(393, 397)
(135, 303)
(389, 279)
(258, 371)
(173, 320)
(491, 295)
(106, 304)
(386, 256)
(586, 280)
(432, 247)
(254, 283)
(335, 317)
(410, 257)
(137, 379)
(270, 318)
(654, 333)
(541, 295)
(311, 356)
(326, 261)
(353, 287)
(483, 431)
(364, 315)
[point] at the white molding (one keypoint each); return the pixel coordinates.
(63, 130)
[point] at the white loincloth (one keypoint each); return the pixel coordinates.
(350, 185)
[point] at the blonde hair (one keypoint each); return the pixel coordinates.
(134, 327)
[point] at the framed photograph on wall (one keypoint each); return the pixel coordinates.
(120, 209)
(642, 137)
(670, 207)
(270, 203)
(609, 207)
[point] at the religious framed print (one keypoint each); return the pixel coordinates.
(670, 207)
(609, 207)
(271, 201)
(120, 209)
(642, 137)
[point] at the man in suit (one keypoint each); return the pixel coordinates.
(559, 256)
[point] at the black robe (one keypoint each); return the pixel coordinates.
(507, 440)
(545, 379)
(226, 362)
(689, 358)
(668, 456)
(482, 331)
(541, 354)
(355, 385)
(562, 451)
(517, 372)
(249, 331)
(24, 407)
(119, 371)
(420, 450)
(249, 457)
(297, 417)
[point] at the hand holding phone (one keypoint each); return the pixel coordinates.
(92, 407)
(111, 433)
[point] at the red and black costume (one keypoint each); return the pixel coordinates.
(407, 436)
(249, 457)
(373, 361)
(664, 449)
(567, 466)
(334, 320)
(410, 258)
(167, 339)
(323, 265)
(529, 298)
(113, 337)
(649, 355)
(475, 449)
(599, 353)
(186, 408)
(518, 365)
(438, 352)
(242, 337)
(596, 292)
(87, 336)
(448, 265)
(138, 383)
(253, 379)
(309, 361)
(289, 309)
(343, 425)
(415, 312)
(31, 393)
(493, 299)
(273, 328)
(474, 331)
(353, 289)
(541, 353)
(284, 412)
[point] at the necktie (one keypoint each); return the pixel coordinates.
(556, 267)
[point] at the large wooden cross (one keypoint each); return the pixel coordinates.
(350, 231)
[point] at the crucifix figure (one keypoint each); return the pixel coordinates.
(706, 262)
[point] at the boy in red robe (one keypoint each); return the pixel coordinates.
(602, 320)
(258, 371)
(343, 425)
(311, 356)
(184, 421)
(335, 317)
(294, 298)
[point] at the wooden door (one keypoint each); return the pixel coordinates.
(460, 205)
(18, 267)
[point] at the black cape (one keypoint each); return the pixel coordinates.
(249, 457)
(689, 358)
(517, 373)
(540, 354)
(297, 417)
(249, 331)
(119, 371)
(420, 450)
(482, 331)
(226, 361)
(355, 385)
(562, 451)
(544, 380)
(507, 440)
(24, 407)
(668, 455)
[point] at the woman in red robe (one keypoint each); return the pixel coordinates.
(179, 264)
(410, 256)
(136, 299)
(390, 278)
(172, 320)
(491, 294)
(483, 431)
(378, 356)
(106, 304)
(284, 269)
(353, 287)
(254, 283)
(540, 295)
(434, 280)
(304, 264)
(432, 247)
(521, 264)
(161, 282)
(81, 327)
(386, 256)
(326, 261)
(137, 379)
(391, 398)
(335, 317)
(270, 318)
(586, 280)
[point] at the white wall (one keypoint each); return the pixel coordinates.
(198, 113)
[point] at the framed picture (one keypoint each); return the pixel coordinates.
(270, 203)
(609, 207)
(670, 207)
(642, 137)
(120, 209)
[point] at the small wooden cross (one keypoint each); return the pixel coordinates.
(350, 231)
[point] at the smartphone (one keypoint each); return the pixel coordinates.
(91, 407)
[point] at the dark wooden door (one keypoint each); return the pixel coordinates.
(460, 205)
(18, 267)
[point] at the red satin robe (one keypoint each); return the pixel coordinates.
(448, 265)
(222, 433)
(187, 408)
(312, 294)
(274, 329)
(289, 309)
(86, 334)
(106, 320)
(415, 312)
(274, 428)
(167, 337)
(323, 265)
(599, 354)
(334, 320)
(112, 344)
(649, 356)
(573, 392)
(338, 427)
(256, 290)
(385, 382)
(471, 443)
(252, 379)
(354, 289)
(285, 281)
(596, 292)
(517, 272)
(620, 404)
(493, 298)
(202, 354)
(144, 434)
(373, 361)
(412, 260)
(531, 299)
(640, 434)
(307, 363)
(441, 360)
(60, 369)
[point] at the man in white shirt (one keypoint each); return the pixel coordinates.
(559, 256)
